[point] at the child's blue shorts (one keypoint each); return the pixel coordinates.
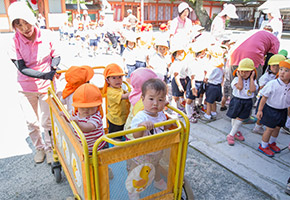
(94, 42)
(213, 93)
(240, 108)
(131, 69)
(198, 85)
(140, 64)
(174, 86)
(273, 117)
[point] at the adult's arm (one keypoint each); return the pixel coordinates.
(20, 65)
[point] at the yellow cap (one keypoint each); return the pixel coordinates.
(276, 59)
(245, 64)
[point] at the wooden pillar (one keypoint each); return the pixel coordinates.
(63, 8)
(122, 10)
(156, 11)
(7, 4)
(43, 9)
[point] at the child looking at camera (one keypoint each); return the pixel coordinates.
(272, 110)
(154, 99)
(270, 74)
(244, 86)
(117, 99)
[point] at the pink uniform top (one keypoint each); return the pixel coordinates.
(37, 55)
(256, 47)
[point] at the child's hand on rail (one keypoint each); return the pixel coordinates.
(148, 124)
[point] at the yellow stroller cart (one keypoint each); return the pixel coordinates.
(88, 175)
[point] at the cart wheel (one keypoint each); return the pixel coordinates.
(57, 174)
(187, 193)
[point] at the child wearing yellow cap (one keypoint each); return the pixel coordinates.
(272, 109)
(117, 99)
(88, 101)
(244, 86)
(270, 74)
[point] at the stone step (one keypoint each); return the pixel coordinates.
(267, 174)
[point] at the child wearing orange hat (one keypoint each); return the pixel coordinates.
(117, 99)
(88, 101)
(272, 109)
(75, 77)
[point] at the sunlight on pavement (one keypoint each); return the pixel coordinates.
(13, 127)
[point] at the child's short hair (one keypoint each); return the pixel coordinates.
(155, 84)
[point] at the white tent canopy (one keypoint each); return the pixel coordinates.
(281, 4)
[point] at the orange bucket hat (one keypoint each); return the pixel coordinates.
(86, 96)
(285, 63)
(75, 77)
(111, 70)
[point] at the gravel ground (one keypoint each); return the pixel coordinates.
(22, 179)
(209, 180)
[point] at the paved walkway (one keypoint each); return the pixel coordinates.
(268, 174)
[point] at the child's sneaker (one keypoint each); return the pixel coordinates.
(258, 129)
(239, 136)
(160, 185)
(266, 151)
(195, 114)
(205, 118)
(274, 148)
(231, 140)
(192, 119)
(203, 109)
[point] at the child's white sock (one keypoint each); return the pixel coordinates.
(233, 121)
(264, 144)
(235, 128)
(213, 113)
(272, 140)
(188, 109)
